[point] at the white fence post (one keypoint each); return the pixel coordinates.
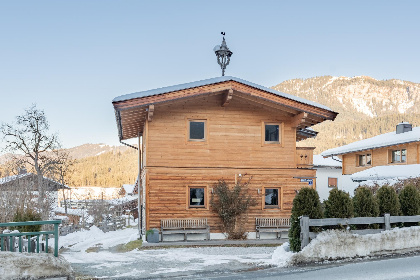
(304, 231)
(387, 222)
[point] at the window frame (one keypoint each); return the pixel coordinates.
(189, 121)
(281, 132)
(188, 198)
(279, 199)
(331, 185)
(363, 155)
(401, 156)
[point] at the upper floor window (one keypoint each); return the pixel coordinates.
(399, 155)
(271, 133)
(197, 130)
(364, 160)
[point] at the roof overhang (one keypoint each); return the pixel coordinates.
(133, 110)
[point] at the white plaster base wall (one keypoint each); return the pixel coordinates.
(343, 181)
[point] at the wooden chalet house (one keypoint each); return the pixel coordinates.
(194, 134)
(385, 156)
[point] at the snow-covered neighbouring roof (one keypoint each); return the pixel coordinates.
(123, 200)
(214, 81)
(388, 172)
(128, 188)
(51, 184)
(12, 178)
(383, 140)
(320, 161)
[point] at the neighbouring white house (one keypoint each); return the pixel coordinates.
(384, 158)
(329, 175)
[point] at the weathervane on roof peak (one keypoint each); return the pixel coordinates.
(223, 54)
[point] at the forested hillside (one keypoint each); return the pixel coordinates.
(109, 169)
(366, 106)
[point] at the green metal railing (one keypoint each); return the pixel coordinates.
(29, 235)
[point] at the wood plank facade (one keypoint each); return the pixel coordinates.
(380, 157)
(234, 118)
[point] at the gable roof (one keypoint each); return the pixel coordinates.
(132, 109)
(29, 180)
(380, 141)
(213, 81)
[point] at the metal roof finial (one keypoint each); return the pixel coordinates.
(223, 54)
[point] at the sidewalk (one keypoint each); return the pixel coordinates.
(220, 242)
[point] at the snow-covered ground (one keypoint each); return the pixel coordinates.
(329, 245)
(153, 262)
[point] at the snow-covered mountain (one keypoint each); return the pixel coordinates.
(359, 96)
(367, 107)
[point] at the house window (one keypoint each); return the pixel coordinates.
(197, 130)
(399, 155)
(271, 133)
(197, 197)
(332, 182)
(271, 199)
(364, 160)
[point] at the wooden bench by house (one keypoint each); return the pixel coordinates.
(185, 226)
(277, 225)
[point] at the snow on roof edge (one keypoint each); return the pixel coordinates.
(385, 172)
(379, 141)
(167, 89)
(319, 160)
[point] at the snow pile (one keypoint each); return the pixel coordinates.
(336, 245)
(32, 266)
(282, 256)
(94, 237)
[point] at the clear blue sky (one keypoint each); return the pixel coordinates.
(72, 58)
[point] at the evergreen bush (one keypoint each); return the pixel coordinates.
(410, 201)
(338, 205)
(25, 215)
(388, 201)
(307, 203)
(365, 204)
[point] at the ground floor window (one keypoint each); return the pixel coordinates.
(197, 197)
(332, 182)
(272, 198)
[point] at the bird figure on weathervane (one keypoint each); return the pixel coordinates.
(223, 54)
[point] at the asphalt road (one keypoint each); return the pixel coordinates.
(401, 268)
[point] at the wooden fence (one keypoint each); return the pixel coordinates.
(8, 240)
(385, 221)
